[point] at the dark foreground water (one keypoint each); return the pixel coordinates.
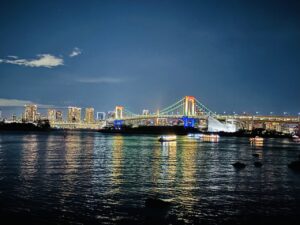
(91, 178)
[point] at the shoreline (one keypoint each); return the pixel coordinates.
(142, 130)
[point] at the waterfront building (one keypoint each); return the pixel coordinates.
(14, 118)
(248, 125)
(89, 115)
(59, 116)
(101, 115)
(39, 116)
(51, 115)
(30, 113)
(74, 114)
(110, 115)
(278, 128)
(54, 115)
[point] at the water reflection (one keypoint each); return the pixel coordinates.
(72, 149)
(257, 144)
(89, 176)
(155, 164)
(169, 162)
(1, 154)
(55, 156)
(187, 171)
(29, 156)
(117, 159)
(174, 169)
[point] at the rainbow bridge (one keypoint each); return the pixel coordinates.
(187, 111)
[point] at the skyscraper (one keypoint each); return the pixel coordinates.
(74, 114)
(59, 116)
(52, 115)
(89, 115)
(30, 113)
(110, 114)
(101, 115)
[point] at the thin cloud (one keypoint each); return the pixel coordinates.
(100, 80)
(4, 102)
(76, 51)
(12, 56)
(43, 60)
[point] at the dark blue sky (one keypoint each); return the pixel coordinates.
(231, 55)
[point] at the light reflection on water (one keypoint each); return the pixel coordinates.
(91, 178)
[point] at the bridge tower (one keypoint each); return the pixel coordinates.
(189, 106)
(119, 112)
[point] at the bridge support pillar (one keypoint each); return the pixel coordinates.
(118, 124)
(188, 122)
(189, 106)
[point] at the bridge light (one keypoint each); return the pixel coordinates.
(256, 113)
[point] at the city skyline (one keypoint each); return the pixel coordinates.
(146, 112)
(234, 56)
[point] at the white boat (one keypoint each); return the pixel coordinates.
(256, 140)
(195, 135)
(296, 138)
(167, 138)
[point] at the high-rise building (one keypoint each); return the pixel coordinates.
(89, 115)
(74, 114)
(59, 116)
(110, 114)
(52, 115)
(38, 116)
(30, 113)
(101, 115)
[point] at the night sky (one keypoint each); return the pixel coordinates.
(231, 55)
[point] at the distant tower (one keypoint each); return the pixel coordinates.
(74, 114)
(30, 113)
(89, 115)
